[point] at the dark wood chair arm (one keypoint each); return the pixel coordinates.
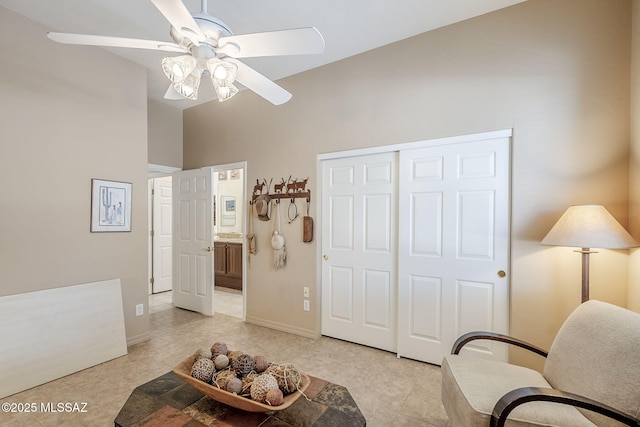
(480, 335)
(517, 397)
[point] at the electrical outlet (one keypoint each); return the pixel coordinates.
(306, 305)
(306, 292)
(139, 309)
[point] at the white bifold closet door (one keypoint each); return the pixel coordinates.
(359, 234)
(453, 248)
(415, 248)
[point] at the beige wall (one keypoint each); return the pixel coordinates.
(557, 72)
(69, 114)
(165, 134)
(634, 190)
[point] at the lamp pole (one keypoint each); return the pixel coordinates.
(585, 272)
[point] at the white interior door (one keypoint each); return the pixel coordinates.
(162, 236)
(453, 247)
(193, 240)
(358, 244)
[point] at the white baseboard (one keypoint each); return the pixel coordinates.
(138, 339)
(308, 333)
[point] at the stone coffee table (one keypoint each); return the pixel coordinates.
(169, 402)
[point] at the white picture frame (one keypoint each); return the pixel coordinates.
(110, 206)
(228, 210)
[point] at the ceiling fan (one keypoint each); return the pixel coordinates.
(209, 48)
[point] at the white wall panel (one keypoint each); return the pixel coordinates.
(426, 224)
(341, 231)
(377, 295)
(425, 307)
(52, 333)
(341, 282)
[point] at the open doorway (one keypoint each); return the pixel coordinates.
(229, 183)
(228, 218)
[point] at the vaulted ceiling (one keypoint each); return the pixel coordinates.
(349, 27)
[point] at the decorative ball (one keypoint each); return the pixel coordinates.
(247, 380)
(261, 386)
(222, 378)
(234, 385)
(233, 355)
(243, 365)
(203, 353)
(260, 363)
(288, 376)
(221, 361)
(274, 397)
(218, 348)
(203, 369)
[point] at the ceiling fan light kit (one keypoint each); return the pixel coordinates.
(188, 88)
(209, 47)
(177, 68)
(223, 74)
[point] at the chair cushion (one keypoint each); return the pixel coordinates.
(471, 387)
(597, 354)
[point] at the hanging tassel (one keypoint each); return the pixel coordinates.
(251, 237)
(277, 243)
(279, 252)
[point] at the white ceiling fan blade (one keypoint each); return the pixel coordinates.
(285, 42)
(253, 80)
(85, 39)
(180, 18)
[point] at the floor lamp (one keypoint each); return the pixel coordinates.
(586, 227)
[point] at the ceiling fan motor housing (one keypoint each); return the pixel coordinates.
(211, 27)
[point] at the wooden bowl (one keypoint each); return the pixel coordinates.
(183, 370)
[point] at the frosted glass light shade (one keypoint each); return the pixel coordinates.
(189, 87)
(225, 92)
(589, 226)
(223, 74)
(177, 68)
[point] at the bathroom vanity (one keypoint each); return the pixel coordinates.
(227, 262)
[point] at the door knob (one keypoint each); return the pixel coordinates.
(501, 273)
(326, 257)
(208, 249)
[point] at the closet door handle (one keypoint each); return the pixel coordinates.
(326, 257)
(501, 273)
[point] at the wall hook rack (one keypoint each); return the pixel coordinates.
(284, 190)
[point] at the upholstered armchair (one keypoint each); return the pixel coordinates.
(591, 376)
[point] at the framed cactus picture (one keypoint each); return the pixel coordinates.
(110, 206)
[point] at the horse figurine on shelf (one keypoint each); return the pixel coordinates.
(258, 189)
(297, 186)
(278, 188)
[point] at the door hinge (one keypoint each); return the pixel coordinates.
(152, 280)
(151, 233)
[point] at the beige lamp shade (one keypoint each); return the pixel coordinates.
(589, 226)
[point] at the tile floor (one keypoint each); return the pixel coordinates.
(226, 301)
(388, 390)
